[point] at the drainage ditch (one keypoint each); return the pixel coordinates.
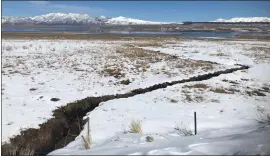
(67, 121)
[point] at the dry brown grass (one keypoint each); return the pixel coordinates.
(260, 54)
(139, 53)
(202, 64)
(195, 98)
(151, 43)
(220, 91)
(199, 98)
(173, 100)
(215, 100)
(74, 36)
(255, 92)
(135, 126)
(141, 59)
(25, 47)
(7, 65)
(183, 129)
(188, 98)
(8, 48)
(263, 116)
(266, 89)
(265, 49)
(15, 150)
(87, 142)
(233, 90)
(113, 70)
(198, 64)
(186, 66)
(219, 54)
(202, 87)
(230, 81)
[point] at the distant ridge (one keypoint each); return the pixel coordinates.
(72, 18)
(244, 19)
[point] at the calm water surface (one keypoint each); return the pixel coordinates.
(90, 30)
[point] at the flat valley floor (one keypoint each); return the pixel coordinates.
(40, 74)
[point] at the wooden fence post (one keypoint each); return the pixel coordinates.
(195, 123)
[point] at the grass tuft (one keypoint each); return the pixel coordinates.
(9, 48)
(188, 98)
(220, 91)
(136, 126)
(183, 129)
(255, 92)
(263, 116)
(87, 142)
(173, 100)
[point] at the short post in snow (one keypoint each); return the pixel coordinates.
(88, 127)
(195, 123)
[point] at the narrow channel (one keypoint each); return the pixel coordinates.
(67, 121)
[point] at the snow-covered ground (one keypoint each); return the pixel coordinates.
(250, 142)
(227, 107)
(224, 119)
(220, 51)
(34, 71)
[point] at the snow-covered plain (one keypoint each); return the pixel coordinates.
(226, 120)
(220, 51)
(227, 108)
(34, 71)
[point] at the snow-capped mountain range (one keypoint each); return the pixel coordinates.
(244, 19)
(72, 18)
(126, 21)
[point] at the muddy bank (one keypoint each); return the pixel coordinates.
(67, 121)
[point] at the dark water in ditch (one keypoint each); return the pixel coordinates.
(98, 30)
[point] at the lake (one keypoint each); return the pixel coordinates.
(99, 30)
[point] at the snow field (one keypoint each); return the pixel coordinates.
(227, 108)
(35, 71)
